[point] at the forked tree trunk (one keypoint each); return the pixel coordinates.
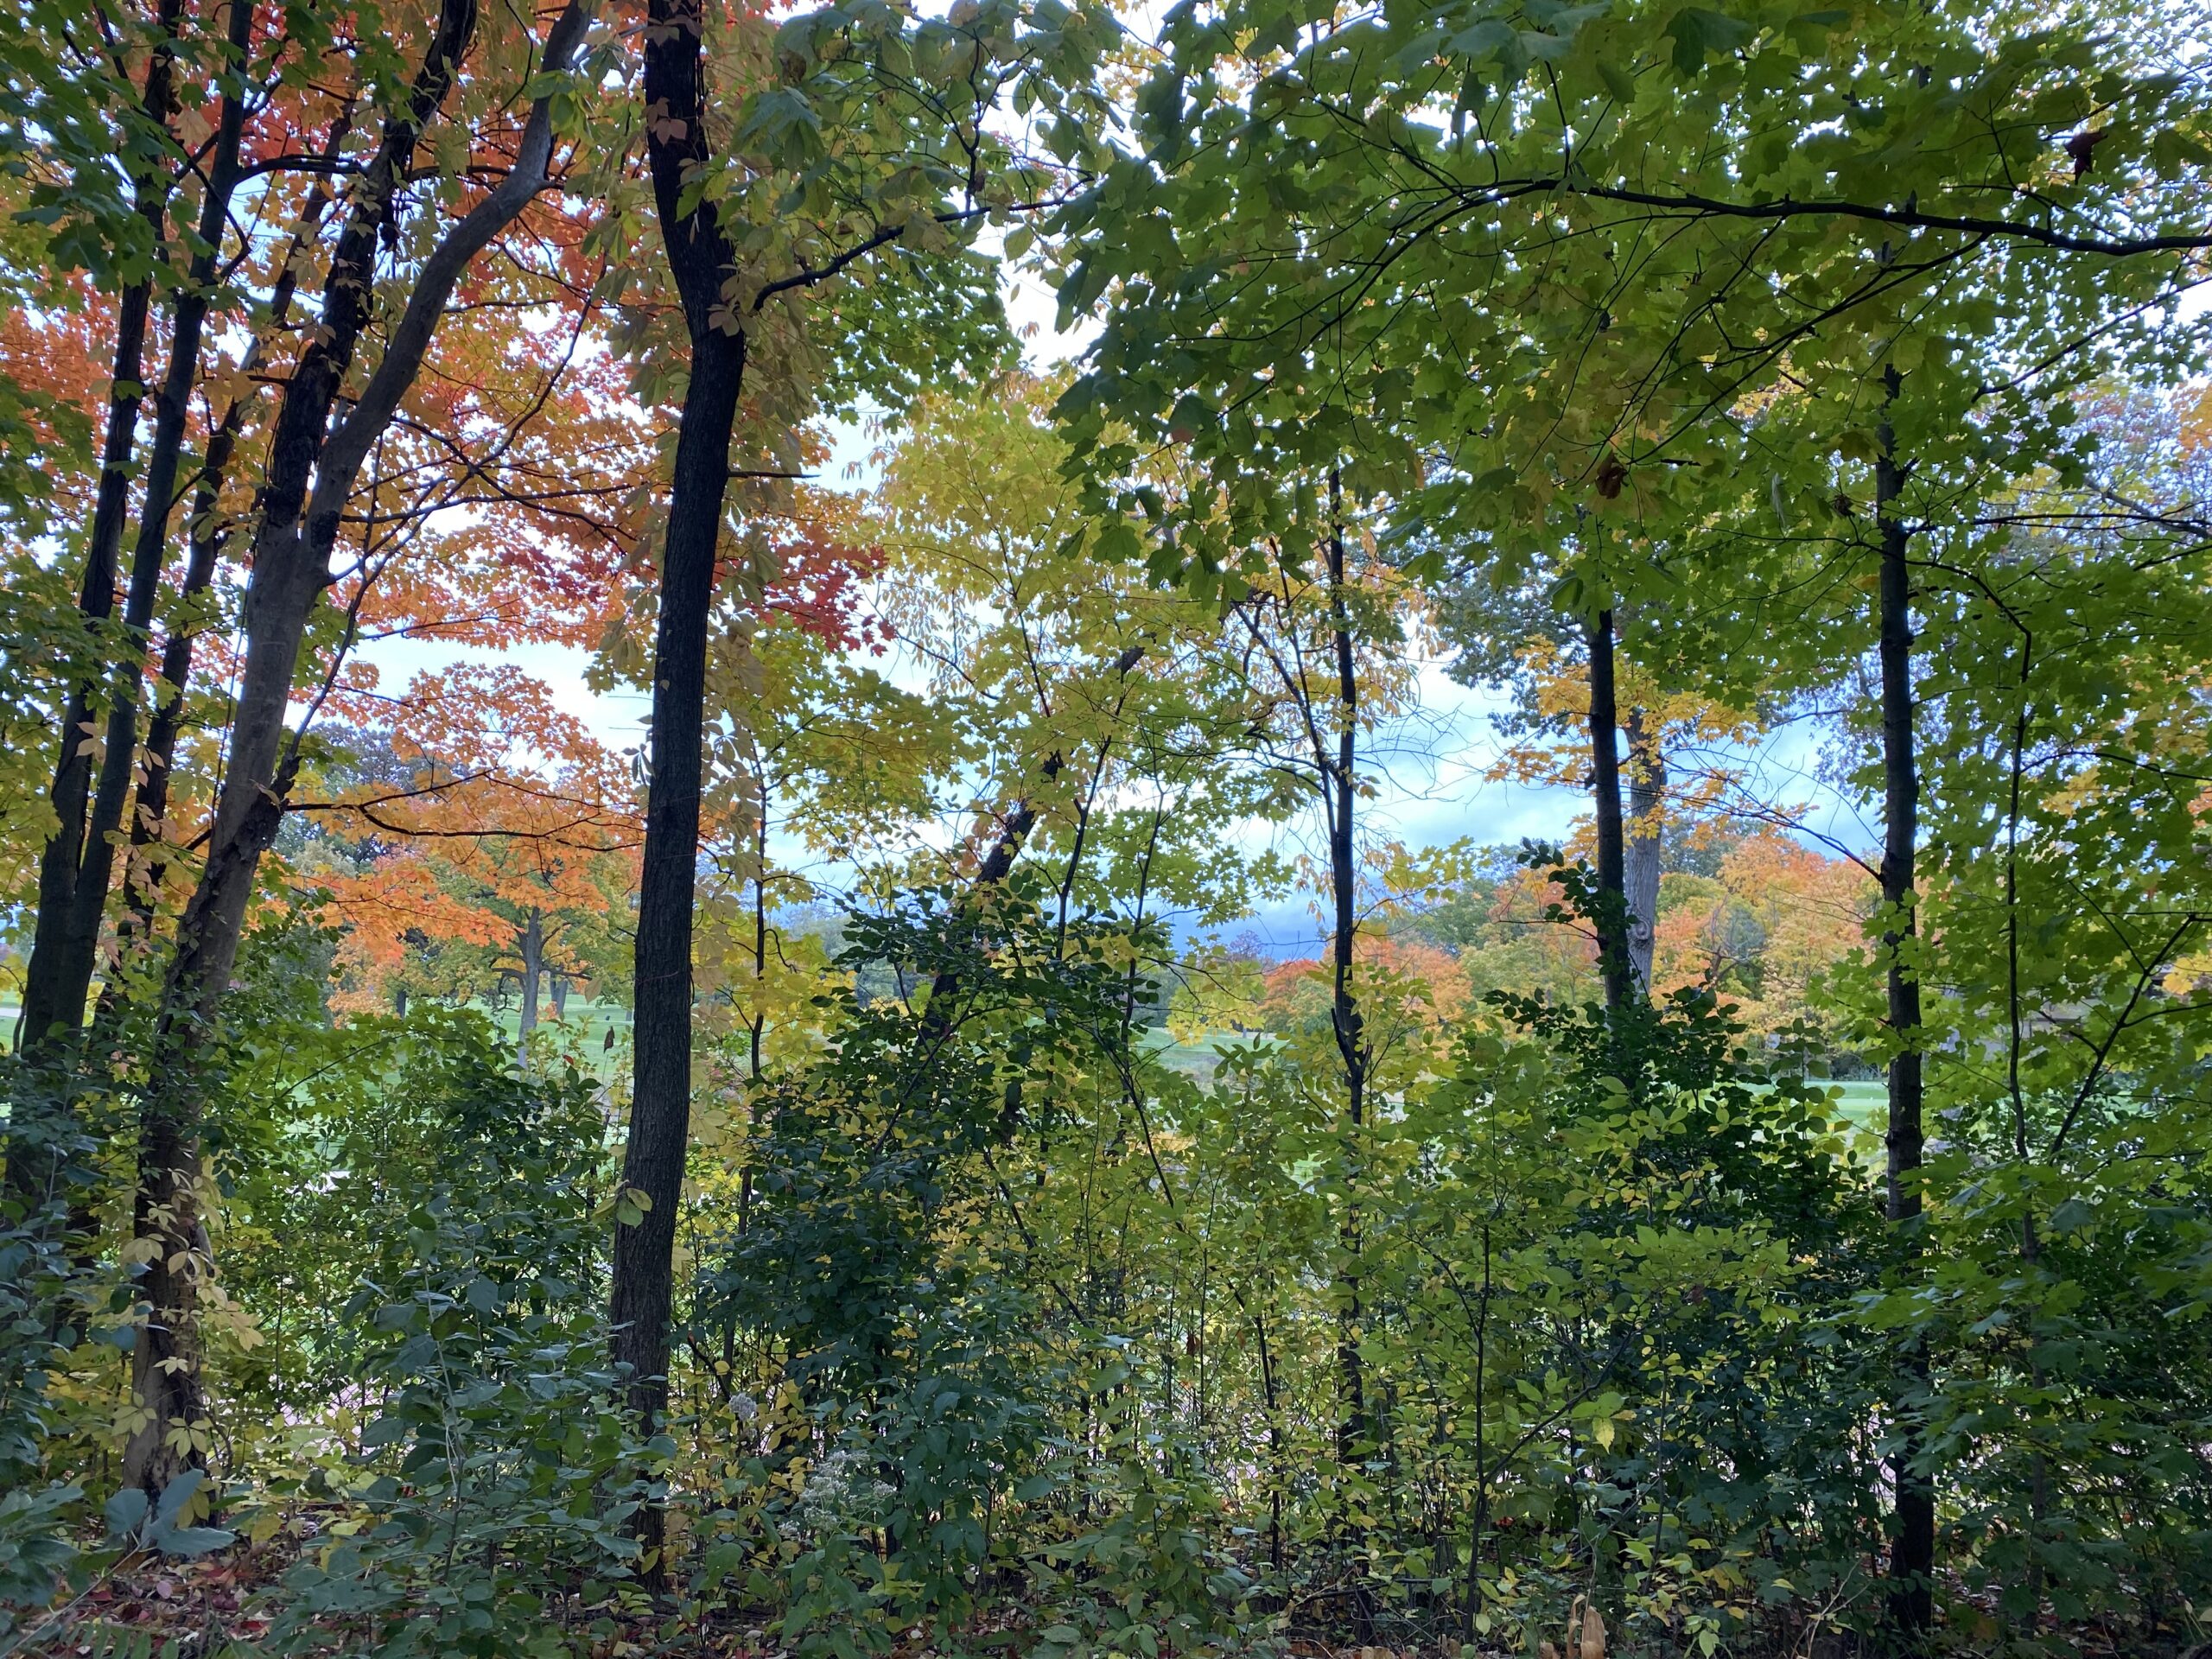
(282, 588)
(207, 538)
(47, 1025)
(206, 534)
(291, 567)
(171, 409)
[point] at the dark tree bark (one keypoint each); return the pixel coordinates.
(148, 862)
(165, 1362)
(701, 260)
(207, 536)
(1331, 742)
(756, 1028)
(298, 530)
(1912, 1551)
(1339, 780)
(171, 409)
(1613, 966)
(1278, 1474)
(997, 865)
(47, 1016)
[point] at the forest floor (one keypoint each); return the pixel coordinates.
(221, 1605)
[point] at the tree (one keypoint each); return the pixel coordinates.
(313, 464)
(1602, 348)
(60, 964)
(988, 1231)
(899, 174)
(506, 828)
(1679, 767)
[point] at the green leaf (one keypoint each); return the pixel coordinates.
(186, 1542)
(2072, 1215)
(1698, 32)
(124, 1511)
(1489, 39)
(720, 1560)
(174, 1496)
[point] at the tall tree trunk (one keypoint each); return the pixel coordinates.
(148, 864)
(1605, 785)
(2039, 1493)
(1912, 1552)
(700, 259)
(532, 947)
(165, 1360)
(150, 556)
(1647, 796)
(757, 1027)
(1478, 1525)
(660, 1108)
(1278, 1475)
(207, 537)
(291, 567)
(1340, 792)
(36, 1116)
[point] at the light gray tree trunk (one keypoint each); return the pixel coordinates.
(1647, 795)
(533, 970)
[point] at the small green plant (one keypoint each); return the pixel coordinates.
(490, 1493)
(138, 1525)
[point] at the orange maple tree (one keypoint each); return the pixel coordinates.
(508, 826)
(1762, 932)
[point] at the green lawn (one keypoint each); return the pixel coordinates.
(1864, 1101)
(1865, 1106)
(1196, 1059)
(583, 1031)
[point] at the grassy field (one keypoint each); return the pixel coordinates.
(586, 1023)
(1865, 1104)
(1196, 1060)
